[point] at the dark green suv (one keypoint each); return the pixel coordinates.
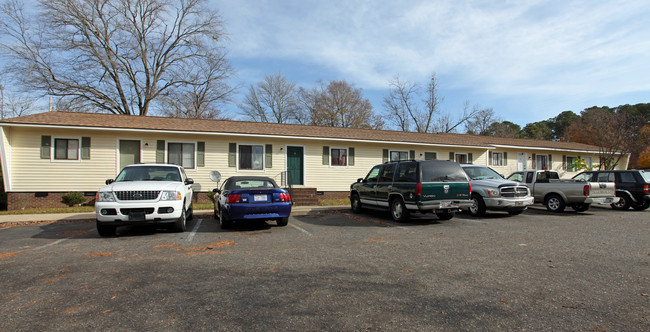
(403, 187)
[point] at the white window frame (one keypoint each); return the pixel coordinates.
(537, 163)
(347, 155)
(180, 142)
(390, 152)
(424, 155)
(237, 155)
(494, 154)
(53, 150)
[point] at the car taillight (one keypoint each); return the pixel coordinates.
(585, 190)
(646, 190)
(418, 189)
(470, 188)
(284, 197)
(234, 198)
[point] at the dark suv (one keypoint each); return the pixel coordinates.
(632, 186)
(434, 186)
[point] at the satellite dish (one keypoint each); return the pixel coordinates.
(215, 176)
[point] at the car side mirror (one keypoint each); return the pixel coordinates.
(109, 181)
(189, 181)
(360, 180)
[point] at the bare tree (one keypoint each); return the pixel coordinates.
(338, 104)
(275, 99)
(479, 123)
(411, 107)
(116, 55)
(14, 104)
(203, 100)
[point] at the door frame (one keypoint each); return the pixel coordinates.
(524, 156)
(286, 161)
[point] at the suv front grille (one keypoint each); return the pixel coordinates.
(137, 195)
(514, 191)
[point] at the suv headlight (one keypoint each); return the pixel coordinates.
(494, 193)
(105, 196)
(170, 196)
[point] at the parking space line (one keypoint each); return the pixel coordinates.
(301, 229)
(196, 227)
(52, 244)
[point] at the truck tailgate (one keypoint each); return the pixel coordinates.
(445, 191)
(602, 189)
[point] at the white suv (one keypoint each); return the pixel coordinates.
(145, 194)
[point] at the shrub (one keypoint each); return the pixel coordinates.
(71, 199)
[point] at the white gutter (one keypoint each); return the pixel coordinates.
(541, 148)
(244, 135)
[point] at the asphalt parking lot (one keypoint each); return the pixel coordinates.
(335, 271)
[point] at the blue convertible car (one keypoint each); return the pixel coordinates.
(242, 198)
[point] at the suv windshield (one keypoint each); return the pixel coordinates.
(481, 173)
(442, 171)
(149, 173)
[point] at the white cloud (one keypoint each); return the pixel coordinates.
(493, 47)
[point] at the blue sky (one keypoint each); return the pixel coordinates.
(528, 60)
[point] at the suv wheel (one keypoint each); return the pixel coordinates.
(398, 210)
(478, 206)
(555, 203)
(622, 204)
(355, 203)
(181, 223)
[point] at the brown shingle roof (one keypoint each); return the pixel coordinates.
(94, 120)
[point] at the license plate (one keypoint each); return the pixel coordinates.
(445, 204)
(136, 216)
(519, 203)
(259, 198)
(609, 200)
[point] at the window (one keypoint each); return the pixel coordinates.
(588, 162)
(251, 157)
(570, 164)
(627, 177)
(181, 154)
(584, 177)
(497, 158)
(461, 158)
(606, 177)
(399, 155)
(519, 177)
(430, 155)
(542, 161)
(338, 157)
(387, 173)
(407, 172)
(373, 174)
(66, 149)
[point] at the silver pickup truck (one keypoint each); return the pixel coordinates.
(556, 193)
(490, 191)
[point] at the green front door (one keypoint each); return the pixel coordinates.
(129, 152)
(295, 158)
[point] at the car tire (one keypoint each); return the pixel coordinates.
(225, 221)
(398, 210)
(623, 203)
(555, 203)
(105, 230)
(180, 225)
(282, 221)
(641, 207)
(355, 203)
(478, 206)
(445, 215)
(190, 214)
(515, 212)
(580, 207)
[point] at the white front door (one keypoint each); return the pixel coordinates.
(522, 161)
